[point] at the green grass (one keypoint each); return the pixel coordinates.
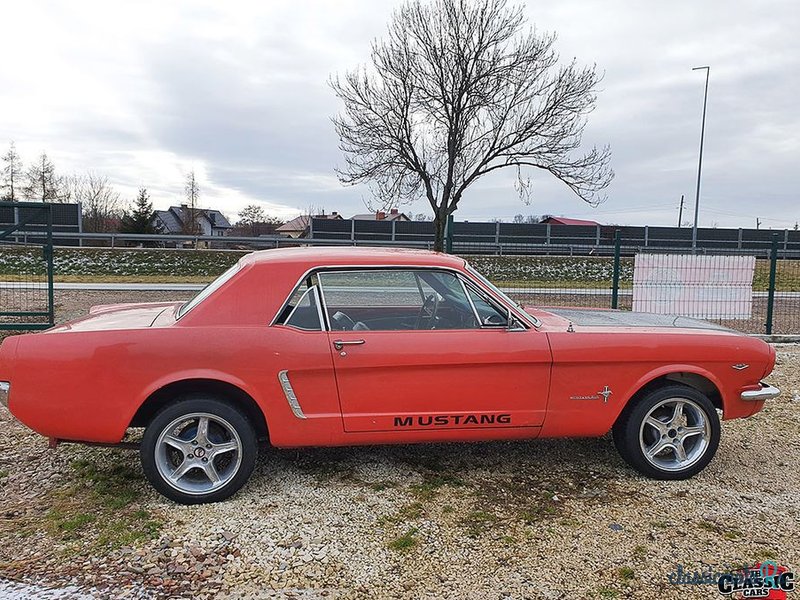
(405, 542)
(626, 573)
(432, 483)
(479, 522)
(3, 474)
(98, 509)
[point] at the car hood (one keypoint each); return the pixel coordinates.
(117, 316)
(620, 319)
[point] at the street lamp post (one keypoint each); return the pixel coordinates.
(700, 159)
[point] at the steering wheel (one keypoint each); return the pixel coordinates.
(343, 322)
(428, 310)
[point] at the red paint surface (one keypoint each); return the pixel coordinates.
(84, 380)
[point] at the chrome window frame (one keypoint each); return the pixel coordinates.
(527, 321)
(314, 291)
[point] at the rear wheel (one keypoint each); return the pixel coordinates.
(198, 449)
(671, 433)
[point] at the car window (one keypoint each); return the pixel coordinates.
(305, 313)
(395, 299)
(489, 313)
(303, 308)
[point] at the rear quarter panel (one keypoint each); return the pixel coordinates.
(88, 385)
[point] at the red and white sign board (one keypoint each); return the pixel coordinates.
(705, 287)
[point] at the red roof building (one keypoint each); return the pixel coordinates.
(567, 221)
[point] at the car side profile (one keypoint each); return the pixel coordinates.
(344, 346)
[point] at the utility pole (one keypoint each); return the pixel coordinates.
(758, 223)
(680, 212)
(700, 159)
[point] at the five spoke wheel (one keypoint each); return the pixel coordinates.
(198, 453)
(671, 432)
(674, 434)
(199, 449)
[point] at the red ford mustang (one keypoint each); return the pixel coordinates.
(342, 346)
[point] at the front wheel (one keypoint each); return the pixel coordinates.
(671, 433)
(198, 450)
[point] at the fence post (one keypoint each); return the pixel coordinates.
(773, 267)
(448, 235)
(615, 280)
(394, 230)
(49, 251)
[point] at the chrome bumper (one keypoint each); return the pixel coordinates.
(767, 392)
(4, 387)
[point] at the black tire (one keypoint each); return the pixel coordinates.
(229, 449)
(697, 435)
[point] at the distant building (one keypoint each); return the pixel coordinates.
(298, 227)
(173, 220)
(567, 221)
(392, 215)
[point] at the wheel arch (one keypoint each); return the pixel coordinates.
(687, 375)
(225, 390)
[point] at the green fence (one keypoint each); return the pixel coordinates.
(754, 291)
(26, 245)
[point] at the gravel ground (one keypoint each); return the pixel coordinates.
(543, 519)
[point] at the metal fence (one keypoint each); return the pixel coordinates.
(537, 238)
(754, 291)
(26, 292)
(541, 275)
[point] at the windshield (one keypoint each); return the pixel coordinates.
(208, 290)
(531, 319)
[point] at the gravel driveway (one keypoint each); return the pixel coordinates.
(544, 519)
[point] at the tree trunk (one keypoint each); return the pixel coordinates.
(439, 224)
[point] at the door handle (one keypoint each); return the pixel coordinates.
(339, 344)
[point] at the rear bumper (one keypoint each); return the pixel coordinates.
(765, 392)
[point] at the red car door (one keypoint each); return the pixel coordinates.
(430, 372)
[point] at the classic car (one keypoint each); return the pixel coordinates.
(342, 346)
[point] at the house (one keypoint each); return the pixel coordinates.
(392, 215)
(567, 221)
(174, 220)
(298, 227)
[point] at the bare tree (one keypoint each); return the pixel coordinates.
(456, 90)
(12, 174)
(191, 188)
(42, 183)
(100, 203)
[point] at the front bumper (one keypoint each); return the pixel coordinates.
(4, 389)
(765, 392)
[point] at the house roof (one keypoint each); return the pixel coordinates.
(175, 217)
(389, 216)
(568, 221)
(302, 222)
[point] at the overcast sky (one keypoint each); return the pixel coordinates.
(144, 91)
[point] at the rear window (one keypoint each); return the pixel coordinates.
(208, 290)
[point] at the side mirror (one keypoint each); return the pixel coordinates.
(510, 321)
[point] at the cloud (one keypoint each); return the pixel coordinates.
(143, 92)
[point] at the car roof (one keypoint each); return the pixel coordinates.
(317, 256)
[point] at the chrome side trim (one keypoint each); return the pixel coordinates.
(767, 392)
(291, 398)
(5, 387)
